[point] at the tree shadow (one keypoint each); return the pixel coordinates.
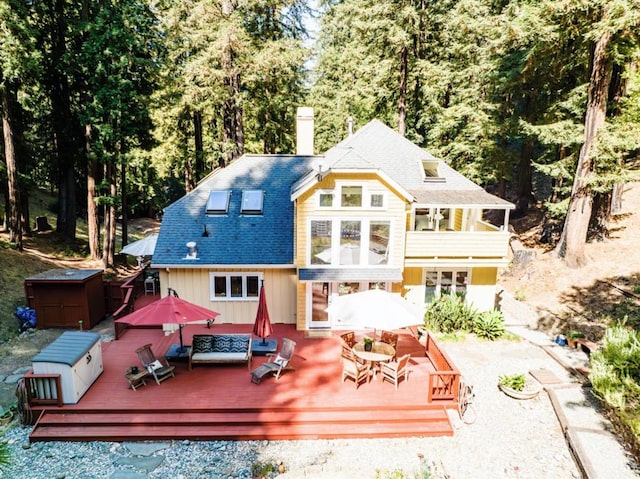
(590, 309)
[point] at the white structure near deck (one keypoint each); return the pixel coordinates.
(77, 357)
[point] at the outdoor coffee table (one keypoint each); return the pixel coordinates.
(380, 352)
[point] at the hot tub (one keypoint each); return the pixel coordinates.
(77, 357)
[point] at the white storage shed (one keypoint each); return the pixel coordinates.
(77, 357)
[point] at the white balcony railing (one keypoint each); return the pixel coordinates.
(457, 244)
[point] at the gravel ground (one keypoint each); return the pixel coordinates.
(508, 439)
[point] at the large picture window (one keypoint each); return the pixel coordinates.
(235, 286)
(349, 242)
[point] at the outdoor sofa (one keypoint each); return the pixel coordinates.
(220, 348)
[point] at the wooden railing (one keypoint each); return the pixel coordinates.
(445, 380)
(129, 290)
(43, 389)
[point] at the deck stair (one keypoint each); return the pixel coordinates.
(240, 424)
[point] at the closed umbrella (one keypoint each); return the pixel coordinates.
(262, 327)
(375, 309)
(169, 310)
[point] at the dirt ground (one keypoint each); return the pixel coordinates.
(554, 290)
(18, 352)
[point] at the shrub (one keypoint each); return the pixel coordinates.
(489, 325)
(517, 382)
(5, 455)
(449, 313)
(615, 374)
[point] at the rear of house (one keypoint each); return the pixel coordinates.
(375, 211)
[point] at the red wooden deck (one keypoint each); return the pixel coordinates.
(221, 402)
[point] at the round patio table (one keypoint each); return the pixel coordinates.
(380, 352)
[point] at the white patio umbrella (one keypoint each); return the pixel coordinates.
(350, 254)
(375, 309)
(144, 247)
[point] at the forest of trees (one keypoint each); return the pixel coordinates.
(120, 107)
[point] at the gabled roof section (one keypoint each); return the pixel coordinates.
(235, 238)
(377, 148)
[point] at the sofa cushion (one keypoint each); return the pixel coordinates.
(219, 357)
(231, 344)
(202, 343)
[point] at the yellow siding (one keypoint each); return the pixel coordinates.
(412, 276)
(194, 285)
(306, 207)
(484, 276)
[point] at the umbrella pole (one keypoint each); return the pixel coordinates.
(181, 343)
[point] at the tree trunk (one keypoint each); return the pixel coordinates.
(9, 96)
(124, 231)
(198, 144)
(93, 222)
(62, 127)
(108, 238)
(574, 234)
(402, 91)
(525, 186)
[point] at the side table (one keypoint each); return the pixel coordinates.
(136, 379)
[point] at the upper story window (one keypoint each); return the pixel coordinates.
(376, 200)
(432, 171)
(218, 202)
(351, 197)
(325, 199)
(252, 201)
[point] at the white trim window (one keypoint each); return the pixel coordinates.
(349, 242)
(234, 286)
(325, 199)
(438, 282)
(351, 196)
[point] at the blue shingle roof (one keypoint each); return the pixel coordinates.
(235, 239)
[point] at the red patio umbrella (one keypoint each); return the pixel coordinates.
(169, 309)
(262, 326)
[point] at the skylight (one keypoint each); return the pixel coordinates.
(218, 202)
(252, 201)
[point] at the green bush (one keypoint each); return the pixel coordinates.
(5, 455)
(489, 325)
(449, 313)
(615, 374)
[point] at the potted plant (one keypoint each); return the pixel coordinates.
(518, 386)
(573, 337)
(368, 343)
(6, 417)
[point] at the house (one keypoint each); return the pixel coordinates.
(373, 211)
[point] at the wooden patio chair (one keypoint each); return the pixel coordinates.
(348, 341)
(278, 365)
(156, 368)
(393, 372)
(389, 338)
(352, 369)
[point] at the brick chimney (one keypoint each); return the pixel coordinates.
(304, 131)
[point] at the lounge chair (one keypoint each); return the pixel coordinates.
(278, 365)
(156, 368)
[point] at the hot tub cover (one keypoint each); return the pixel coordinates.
(68, 348)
